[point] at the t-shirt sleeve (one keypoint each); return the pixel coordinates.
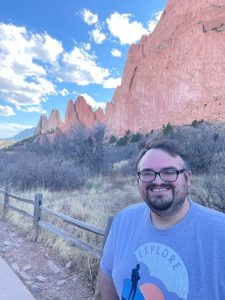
(108, 254)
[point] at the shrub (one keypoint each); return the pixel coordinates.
(135, 137)
(196, 123)
(200, 146)
(112, 139)
(122, 141)
(168, 130)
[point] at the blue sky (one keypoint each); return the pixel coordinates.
(53, 50)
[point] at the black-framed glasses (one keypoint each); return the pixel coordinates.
(167, 175)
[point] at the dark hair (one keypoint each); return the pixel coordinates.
(173, 147)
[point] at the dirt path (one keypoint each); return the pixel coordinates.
(41, 269)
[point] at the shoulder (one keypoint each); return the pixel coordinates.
(132, 210)
(210, 216)
(131, 213)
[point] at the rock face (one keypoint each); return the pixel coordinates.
(81, 112)
(176, 74)
(76, 112)
(42, 124)
(49, 124)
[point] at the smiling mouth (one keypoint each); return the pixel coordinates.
(159, 189)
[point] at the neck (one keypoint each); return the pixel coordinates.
(165, 222)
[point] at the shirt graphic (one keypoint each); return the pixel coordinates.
(159, 274)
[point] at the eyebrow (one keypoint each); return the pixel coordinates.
(167, 168)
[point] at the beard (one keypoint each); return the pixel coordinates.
(168, 200)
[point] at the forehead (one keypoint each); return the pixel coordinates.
(157, 159)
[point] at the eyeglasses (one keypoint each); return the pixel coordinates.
(167, 175)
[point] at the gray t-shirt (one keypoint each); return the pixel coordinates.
(186, 261)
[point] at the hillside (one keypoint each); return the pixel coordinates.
(20, 136)
(5, 144)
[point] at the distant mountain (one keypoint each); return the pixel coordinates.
(26, 133)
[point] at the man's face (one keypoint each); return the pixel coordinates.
(164, 198)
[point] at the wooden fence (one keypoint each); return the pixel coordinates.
(38, 223)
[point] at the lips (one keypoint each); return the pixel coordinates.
(159, 189)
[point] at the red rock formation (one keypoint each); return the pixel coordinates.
(54, 120)
(81, 112)
(42, 124)
(176, 74)
(70, 117)
(52, 123)
(84, 112)
(99, 115)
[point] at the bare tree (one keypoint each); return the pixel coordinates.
(88, 146)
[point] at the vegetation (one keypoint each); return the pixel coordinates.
(196, 123)
(168, 130)
(112, 139)
(123, 141)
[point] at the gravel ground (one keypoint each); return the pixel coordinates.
(42, 270)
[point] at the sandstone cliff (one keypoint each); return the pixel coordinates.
(81, 112)
(78, 111)
(177, 73)
(49, 124)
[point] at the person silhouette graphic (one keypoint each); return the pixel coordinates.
(134, 279)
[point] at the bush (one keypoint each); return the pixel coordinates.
(122, 141)
(112, 139)
(196, 123)
(135, 137)
(168, 130)
(200, 145)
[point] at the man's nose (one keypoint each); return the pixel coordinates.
(157, 179)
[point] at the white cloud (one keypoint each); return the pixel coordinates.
(64, 92)
(31, 64)
(6, 111)
(95, 104)
(80, 67)
(86, 46)
(127, 31)
(116, 52)
(23, 74)
(11, 129)
(152, 23)
(45, 47)
(112, 83)
(36, 109)
(97, 36)
(89, 17)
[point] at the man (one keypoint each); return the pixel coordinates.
(178, 244)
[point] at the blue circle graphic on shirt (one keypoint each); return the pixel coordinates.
(166, 265)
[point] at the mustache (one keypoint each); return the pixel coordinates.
(151, 186)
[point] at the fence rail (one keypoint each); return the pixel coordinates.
(38, 223)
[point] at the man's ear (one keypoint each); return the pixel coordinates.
(189, 173)
(189, 177)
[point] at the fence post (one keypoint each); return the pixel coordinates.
(37, 216)
(108, 226)
(5, 202)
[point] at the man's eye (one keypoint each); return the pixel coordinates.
(148, 173)
(169, 172)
